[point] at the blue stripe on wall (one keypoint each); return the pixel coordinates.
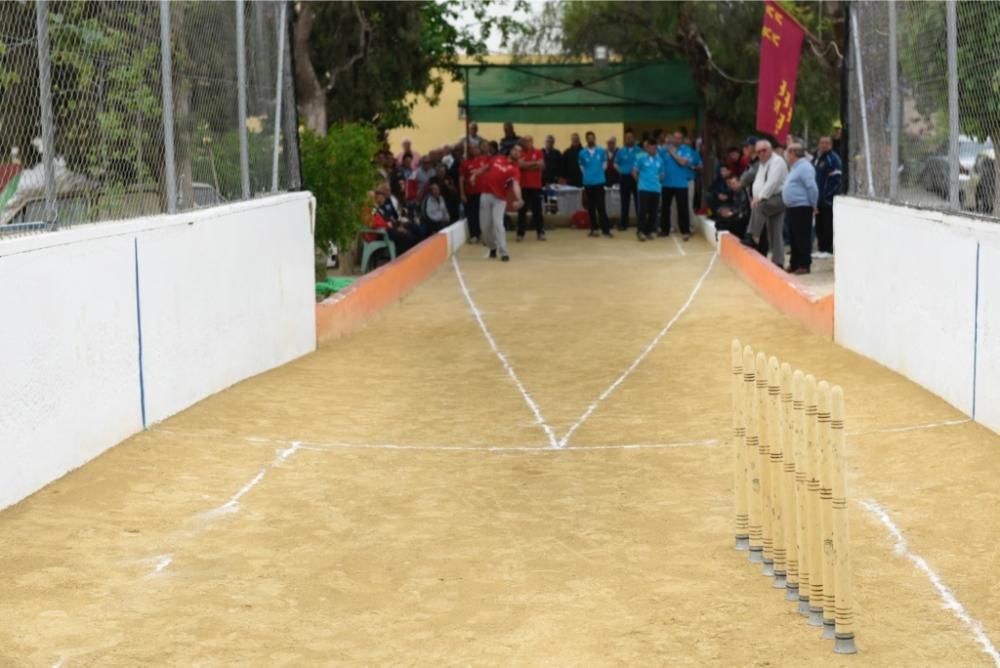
(138, 321)
(975, 338)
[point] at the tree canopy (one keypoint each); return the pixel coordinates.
(366, 61)
(719, 40)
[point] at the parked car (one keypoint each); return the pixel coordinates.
(82, 200)
(979, 191)
(934, 175)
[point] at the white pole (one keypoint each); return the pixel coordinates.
(282, 29)
(861, 100)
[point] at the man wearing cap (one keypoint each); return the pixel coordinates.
(828, 176)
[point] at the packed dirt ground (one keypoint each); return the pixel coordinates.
(393, 499)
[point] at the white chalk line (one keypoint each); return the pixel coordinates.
(680, 248)
(912, 427)
(163, 561)
(539, 419)
(947, 597)
(648, 349)
(335, 446)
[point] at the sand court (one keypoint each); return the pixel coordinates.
(519, 464)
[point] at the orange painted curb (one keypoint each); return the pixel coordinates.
(348, 310)
(778, 287)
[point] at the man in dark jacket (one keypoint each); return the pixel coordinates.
(571, 164)
(828, 176)
(553, 162)
(734, 215)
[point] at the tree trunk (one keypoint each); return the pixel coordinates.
(311, 94)
(182, 116)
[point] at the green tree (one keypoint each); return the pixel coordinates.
(719, 40)
(337, 168)
(365, 61)
(924, 70)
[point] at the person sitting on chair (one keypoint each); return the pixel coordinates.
(734, 214)
(402, 234)
(434, 214)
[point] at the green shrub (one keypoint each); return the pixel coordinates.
(338, 170)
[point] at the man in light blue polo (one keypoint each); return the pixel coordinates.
(624, 162)
(593, 160)
(648, 170)
(677, 162)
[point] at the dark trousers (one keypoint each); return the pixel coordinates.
(472, 215)
(649, 202)
(736, 225)
(629, 194)
(595, 207)
(683, 210)
(800, 228)
(532, 200)
(824, 229)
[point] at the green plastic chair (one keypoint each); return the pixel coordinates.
(371, 247)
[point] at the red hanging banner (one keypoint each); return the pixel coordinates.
(780, 47)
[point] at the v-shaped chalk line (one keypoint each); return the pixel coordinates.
(539, 418)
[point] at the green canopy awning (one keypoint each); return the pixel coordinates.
(576, 93)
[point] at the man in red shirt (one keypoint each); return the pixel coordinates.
(532, 163)
(470, 191)
(499, 180)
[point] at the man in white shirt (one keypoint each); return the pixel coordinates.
(767, 209)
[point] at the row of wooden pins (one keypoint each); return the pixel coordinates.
(790, 497)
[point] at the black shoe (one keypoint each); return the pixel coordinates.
(686, 237)
(541, 236)
(505, 258)
(607, 234)
(622, 228)
(493, 253)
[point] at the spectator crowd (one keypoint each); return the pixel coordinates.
(767, 195)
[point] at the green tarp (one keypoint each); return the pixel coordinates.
(577, 93)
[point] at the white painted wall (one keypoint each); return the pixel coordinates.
(225, 294)
(457, 234)
(988, 358)
(906, 296)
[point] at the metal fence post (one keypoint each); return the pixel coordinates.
(241, 73)
(279, 86)
(953, 165)
(861, 102)
(167, 79)
(45, 102)
(894, 113)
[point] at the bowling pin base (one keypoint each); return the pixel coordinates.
(780, 581)
(829, 630)
(844, 644)
(815, 617)
(791, 592)
(803, 606)
(756, 555)
(743, 543)
(768, 568)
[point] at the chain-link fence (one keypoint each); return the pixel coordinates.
(924, 103)
(99, 122)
